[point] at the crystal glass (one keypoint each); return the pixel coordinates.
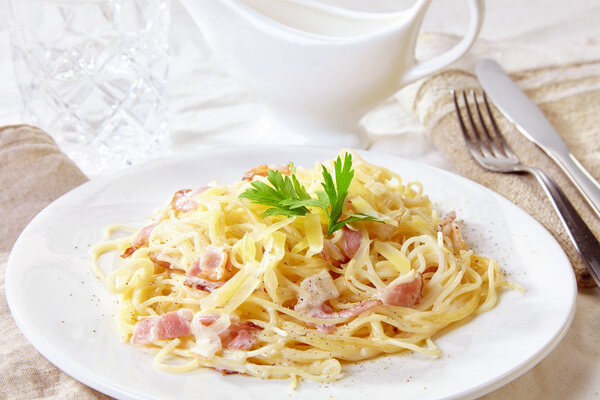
(92, 74)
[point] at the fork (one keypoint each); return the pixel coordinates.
(490, 149)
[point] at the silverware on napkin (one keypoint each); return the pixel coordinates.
(489, 148)
(532, 123)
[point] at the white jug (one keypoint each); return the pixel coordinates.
(317, 68)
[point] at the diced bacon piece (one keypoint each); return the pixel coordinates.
(209, 271)
(194, 268)
(174, 324)
(225, 371)
(212, 265)
(128, 251)
(320, 288)
(240, 336)
(240, 340)
(183, 200)
(144, 235)
(325, 328)
(248, 325)
(168, 326)
(143, 330)
(353, 311)
(141, 240)
(448, 219)
(431, 268)
(202, 284)
(206, 319)
(451, 230)
(332, 254)
(154, 258)
(358, 309)
(237, 335)
(326, 312)
(263, 170)
(206, 329)
(350, 241)
(344, 250)
(402, 292)
(326, 309)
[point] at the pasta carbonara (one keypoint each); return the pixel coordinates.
(211, 282)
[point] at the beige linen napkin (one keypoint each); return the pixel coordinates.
(33, 172)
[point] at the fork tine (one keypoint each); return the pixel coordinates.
(479, 142)
(489, 148)
(500, 139)
(461, 122)
(490, 142)
(470, 144)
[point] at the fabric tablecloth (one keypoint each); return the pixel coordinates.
(550, 47)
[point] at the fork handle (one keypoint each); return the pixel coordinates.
(581, 236)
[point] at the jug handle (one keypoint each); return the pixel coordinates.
(424, 68)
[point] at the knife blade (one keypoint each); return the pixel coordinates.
(514, 104)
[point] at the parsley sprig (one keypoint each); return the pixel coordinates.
(288, 197)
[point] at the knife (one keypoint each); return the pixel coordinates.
(531, 122)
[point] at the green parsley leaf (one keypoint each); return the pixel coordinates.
(283, 189)
(337, 193)
(289, 198)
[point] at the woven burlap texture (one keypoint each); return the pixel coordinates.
(33, 172)
(566, 95)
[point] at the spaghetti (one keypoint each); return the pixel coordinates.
(209, 282)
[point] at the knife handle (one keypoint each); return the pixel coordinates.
(582, 237)
(583, 180)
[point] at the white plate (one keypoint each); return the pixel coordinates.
(69, 317)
